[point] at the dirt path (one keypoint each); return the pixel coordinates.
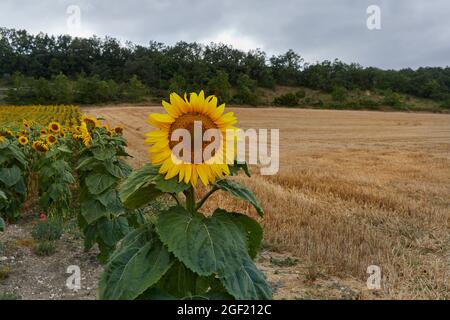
(32, 277)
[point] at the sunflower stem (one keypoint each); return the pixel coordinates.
(176, 198)
(190, 200)
(203, 200)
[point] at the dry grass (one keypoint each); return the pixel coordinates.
(354, 189)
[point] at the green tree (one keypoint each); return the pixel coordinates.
(178, 84)
(220, 86)
(135, 90)
(246, 91)
(61, 90)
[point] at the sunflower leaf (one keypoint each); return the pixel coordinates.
(135, 266)
(236, 167)
(252, 228)
(240, 192)
(10, 176)
(139, 188)
(99, 182)
(205, 245)
(247, 283)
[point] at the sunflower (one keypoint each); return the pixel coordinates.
(43, 132)
(181, 114)
(118, 130)
(2, 139)
(62, 134)
(23, 140)
(26, 124)
(54, 127)
(51, 139)
(90, 121)
(40, 146)
(85, 135)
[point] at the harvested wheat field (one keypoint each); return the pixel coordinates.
(354, 189)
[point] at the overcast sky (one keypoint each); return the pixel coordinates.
(413, 32)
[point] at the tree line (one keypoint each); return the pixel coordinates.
(28, 61)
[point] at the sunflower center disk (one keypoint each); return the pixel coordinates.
(188, 122)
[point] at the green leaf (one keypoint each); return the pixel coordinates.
(103, 154)
(99, 182)
(67, 177)
(138, 189)
(247, 283)
(171, 185)
(181, 282)
(136, 266)
(240, 192)
(236, 167)
(17, 154)
(119, 169)
(156, 294)
(205, 245)
(20, 187)
(108, 197)
(2, 225)
(253, 229)
(112, 230)
(86, 163)
(55, 191)
(60, 166)
(93, 210)
(64, 149)
(10, 176)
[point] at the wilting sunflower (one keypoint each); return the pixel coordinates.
(54, 127)
(40, 146)
(23, 140)
(181, 114)
(118, 130)
(51, 139)
(90, 121)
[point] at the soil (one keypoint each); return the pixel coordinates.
(31, 277)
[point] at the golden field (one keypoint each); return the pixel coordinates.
(355, 188)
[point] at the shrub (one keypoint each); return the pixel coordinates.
(367, 102)
(392, 99)
(301, 93)
(44, 248)
(47, 230)
(4, 272)
(445, 104)
(9, 296)
(339, 94)
(289, 99)
(134, 90)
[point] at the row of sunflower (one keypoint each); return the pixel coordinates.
(37, 161)
(179, 252)
(66, 115)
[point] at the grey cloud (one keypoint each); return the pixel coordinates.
(414, 32)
